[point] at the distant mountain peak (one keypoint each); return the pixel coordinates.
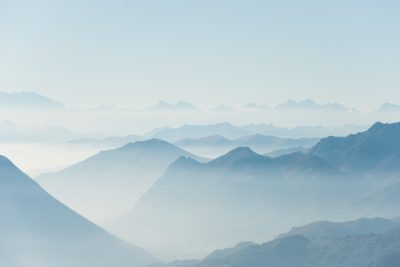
(388, 107)
(378, 147)
(329, 230)
(214, 125)
(178, 106)
(212, 140)
(306, 101)
(256, 106)
(150, 143)
(215, 137)
(9, 172)
(295, 155)
(242, 151)
(190, 131)
(378, 125)
(309, 104)
(238, 154)
(184, 162)
(256, 136)
(383, 127)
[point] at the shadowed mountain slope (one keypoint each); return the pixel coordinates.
(38, 231)
(325, 230)
(199, 206)
(365, 242)
(217, 145)
(110, 182)
(375, 150)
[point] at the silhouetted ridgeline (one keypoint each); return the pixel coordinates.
(108, 184)
(234, 197)
(361, 243)
(38, 231)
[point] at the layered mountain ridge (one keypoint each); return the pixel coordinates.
(109, 183)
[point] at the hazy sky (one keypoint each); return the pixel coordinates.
(133, 53)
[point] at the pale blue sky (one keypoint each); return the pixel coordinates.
(134, 53)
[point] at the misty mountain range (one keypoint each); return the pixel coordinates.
(11, 132)
(32, 100)
(143, 189)
(199, 133)
(230, 131)
(306, 105)
(360, 243)
(107, 184)
(310, 105)
(232, 198)
(216, 145)
(133, 168)
(40, 231)
(217, 202)
(174, 203)
(389, 107)
(376, 150)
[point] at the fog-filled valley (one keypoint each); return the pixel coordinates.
(37, 230)
(189, 192)
(214, 194)
(199, 133)
(232, 198)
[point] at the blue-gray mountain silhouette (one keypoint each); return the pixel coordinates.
(208, 141)
(264, 144)
(232, 132)
(281, 152)
(38, 231)
(389, 107)
(365, 242)
(110, 182)
(216, 145)
(232, 198)
(198, 131)
(326, 230)
(310, 105)
(180, 106)
(303, 131)
(375, 150)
